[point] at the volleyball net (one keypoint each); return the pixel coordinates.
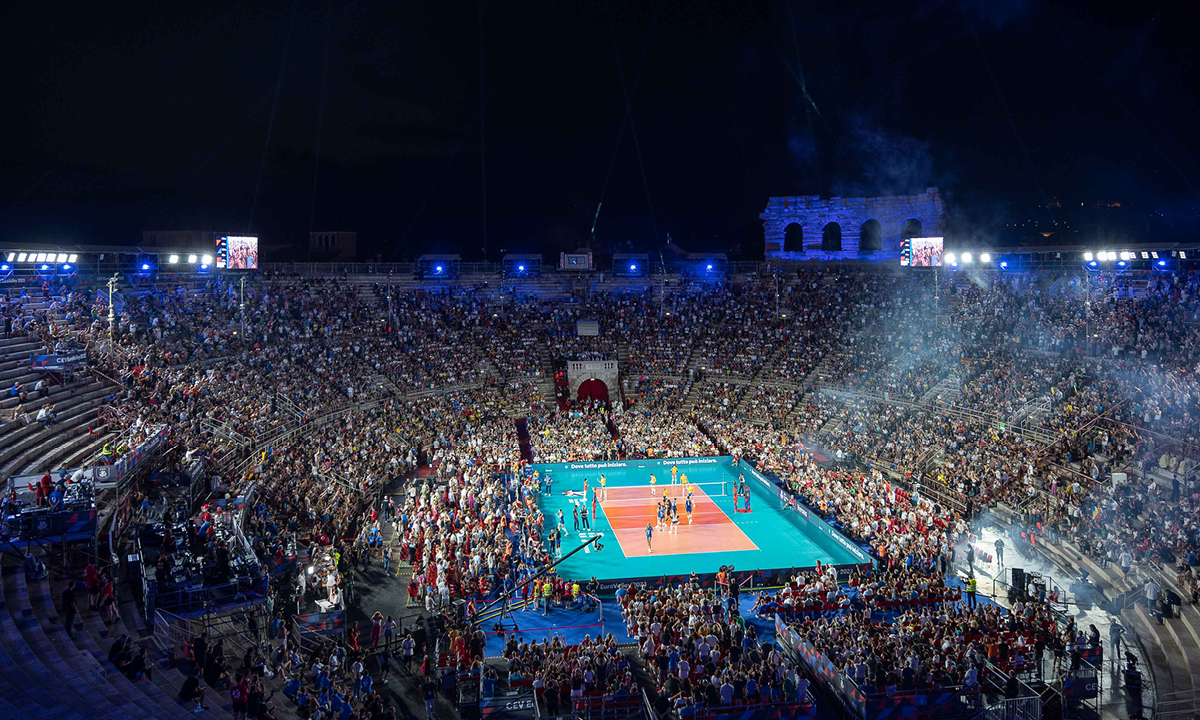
(641, 494)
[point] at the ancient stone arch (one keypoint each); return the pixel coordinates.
(870, 236)
(793, 238)
(812, 214)
(593, 388)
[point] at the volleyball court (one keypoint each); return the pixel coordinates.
(630, 507)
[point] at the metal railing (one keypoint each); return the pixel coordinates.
(244, 628)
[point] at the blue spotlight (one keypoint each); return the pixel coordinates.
(4, 267)
(145, 266)
(438, 268)
(65, 267)
(1003, 264)
(633, 267)
(1092, 264)
(521, 268)
(45, 267)
(1161, 263)
(710, 267)
(1122, 263)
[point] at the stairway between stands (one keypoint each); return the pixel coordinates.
(523, 440)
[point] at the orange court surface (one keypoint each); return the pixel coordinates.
(629, 509)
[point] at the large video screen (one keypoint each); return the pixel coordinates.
(236, 252)
(925, 252)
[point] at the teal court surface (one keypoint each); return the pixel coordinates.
(768, 537)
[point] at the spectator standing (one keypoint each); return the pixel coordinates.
(70, 606)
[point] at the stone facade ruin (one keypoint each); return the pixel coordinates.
(810, 227)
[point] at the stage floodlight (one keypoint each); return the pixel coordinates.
(709, 267)
(191, 259)
(1089, 256)
(207, 259)
(1123, 263)
(21, 257)
(12, 256)
(145, 266)
(1183, 255)
(72, 258)
(204, 266)
(521, 268)
(40, 257)
(950, 258)
(4, 267)
(438, 268)
(1154, 254)
(1145, 255)
(173, 259)
(985, 257)
(62, 258)
(633, 267)
(1003, 265)
(45, 267)
(1092, 263)
(966, 258)
(1162, 263)
(67, 266)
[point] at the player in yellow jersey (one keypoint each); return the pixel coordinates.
(603, 488)
(653, 480)
(674, 474)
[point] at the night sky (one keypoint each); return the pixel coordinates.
(124, 117)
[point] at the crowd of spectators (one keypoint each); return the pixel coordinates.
(1053, 356)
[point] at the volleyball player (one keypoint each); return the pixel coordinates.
(653, 480)
(649, 534)
(662, 514)
(675, 520)
(603, 488)
(674, 474)
(688, 506)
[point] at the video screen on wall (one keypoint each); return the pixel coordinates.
(235, 252)
(925, 252)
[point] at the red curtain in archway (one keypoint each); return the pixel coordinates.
(593, 390)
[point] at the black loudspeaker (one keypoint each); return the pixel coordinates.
(1019, 582)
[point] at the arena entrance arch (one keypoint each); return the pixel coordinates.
(605, 372)
(593, 389)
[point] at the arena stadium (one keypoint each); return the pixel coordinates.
(307, 476)
(600, 361)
